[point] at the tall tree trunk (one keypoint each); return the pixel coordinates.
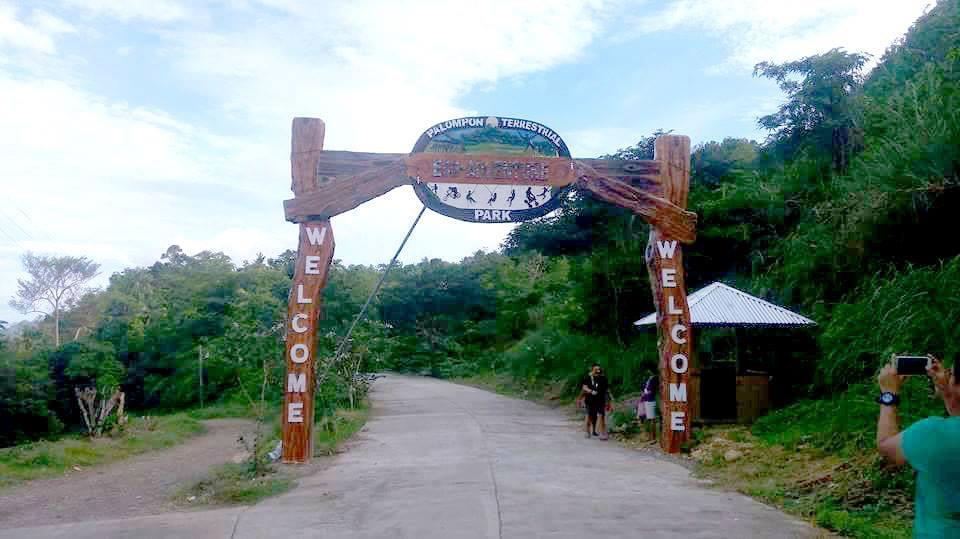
(56, 326)
(200, 374)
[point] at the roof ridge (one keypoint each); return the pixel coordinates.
(750, 296)
(704, 292)
(757, 305)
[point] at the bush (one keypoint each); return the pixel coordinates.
(551, 355)
(913, 312)
(25, 391)
(846, 422)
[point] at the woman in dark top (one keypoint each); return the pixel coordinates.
(594, 387)
(647, 406)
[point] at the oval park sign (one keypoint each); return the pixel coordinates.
(491, 169)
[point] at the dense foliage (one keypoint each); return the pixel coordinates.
(846, 213)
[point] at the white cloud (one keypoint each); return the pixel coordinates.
(387, 67)
(120, 182)
(783, 30)
(379, 73)
(163, 11)
(37, 35)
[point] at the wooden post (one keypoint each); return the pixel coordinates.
(310, 276)
(664, 258)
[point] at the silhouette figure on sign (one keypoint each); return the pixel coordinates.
(510, 199)
(470, 197)
(492, 199)
(530, 198)
(452, 192)
(543, 194)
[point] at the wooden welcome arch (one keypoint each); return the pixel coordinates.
(328, 183)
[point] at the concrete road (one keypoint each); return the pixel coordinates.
(438, 460)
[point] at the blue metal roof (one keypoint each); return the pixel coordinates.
(719, 305)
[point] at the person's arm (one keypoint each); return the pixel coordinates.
(889, 438)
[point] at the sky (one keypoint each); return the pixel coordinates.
(127, 126)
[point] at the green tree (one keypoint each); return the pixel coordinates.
(56, 283)
(25, 393)
(821, 112)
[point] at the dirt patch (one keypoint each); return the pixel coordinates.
(140, 485)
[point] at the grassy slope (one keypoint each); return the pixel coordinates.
(49, 458)
(851, 495)
(504, 384)
(235, 483)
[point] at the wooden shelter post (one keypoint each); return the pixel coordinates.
(314, 255)
(664, 258)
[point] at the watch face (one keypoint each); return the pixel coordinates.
(886, 398)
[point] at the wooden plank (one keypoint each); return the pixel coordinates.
(342, 191)
(644, 175)
(659, 211)
(306, 146)
(664, 258)
(332, 165)
(314, 254)
(491, 169)
(753, 397)
(345, 180)
(303, 311)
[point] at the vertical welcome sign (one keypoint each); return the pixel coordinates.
(664, 257)
(303, 313)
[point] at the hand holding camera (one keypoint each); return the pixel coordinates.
(892, 375)
(913, 365)
(889, 380)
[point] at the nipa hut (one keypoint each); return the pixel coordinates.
(741, 344)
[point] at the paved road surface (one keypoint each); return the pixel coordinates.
(438, 460)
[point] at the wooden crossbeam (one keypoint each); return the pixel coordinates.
(673, 220)
(345, 180)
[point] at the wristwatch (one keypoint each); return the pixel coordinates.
(888, 399)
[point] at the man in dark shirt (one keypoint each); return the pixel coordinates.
(595, 390)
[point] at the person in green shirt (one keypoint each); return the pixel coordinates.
(930, 446)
